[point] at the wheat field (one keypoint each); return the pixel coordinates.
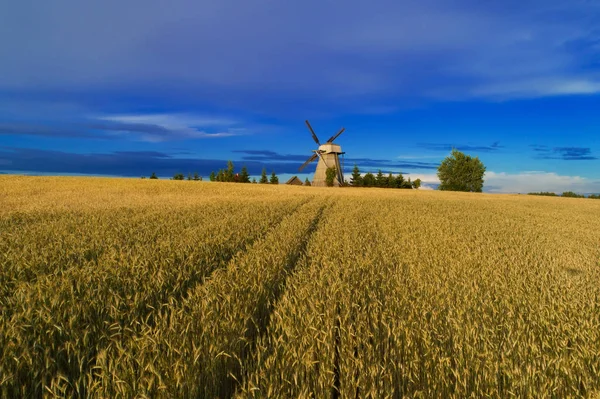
(120, 288)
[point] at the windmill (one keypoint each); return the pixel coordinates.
(329, 157)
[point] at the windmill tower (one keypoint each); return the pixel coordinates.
(329, 157)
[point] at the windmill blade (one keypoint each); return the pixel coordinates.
(336, 136)
(314, 156)
(314, 136)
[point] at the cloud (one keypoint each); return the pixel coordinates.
(534, 181)
(369, 163)
(461, 147)
(142, 127)
(524, 182)
(256, 53)
(564, 153)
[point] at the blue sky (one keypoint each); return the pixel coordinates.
(128, 88)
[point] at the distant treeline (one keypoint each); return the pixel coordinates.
(569, 194)
(179, 176)
(381, 180)
(229, 175)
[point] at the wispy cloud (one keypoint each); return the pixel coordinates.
(458, 49)
(461, 147)
(564, 153)
(151, 128)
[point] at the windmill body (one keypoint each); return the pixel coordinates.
(328, 156)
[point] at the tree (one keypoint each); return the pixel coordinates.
(196, 177)
(417, 183)
(390, 182)
(368, 180)
(213, 176)
(460, 172)
(244, 176)
(254, 180)
(189, 176)
(274, 178)
(178, 176)
(307, 182)
(330, 176)
(571, 194)
(229, 174)
(356, 179)
(263, 177)
(220, 175)
(399, 181)
(153, 176)
(380, 179)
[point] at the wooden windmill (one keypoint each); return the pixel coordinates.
(328, 155)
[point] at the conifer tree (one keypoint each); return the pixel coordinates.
(356, 179)
(244, 176)
(263, 177)
(274, 178)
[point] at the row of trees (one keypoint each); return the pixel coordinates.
(178, 176)
(229, 175)
(569, 194)
(381, 180)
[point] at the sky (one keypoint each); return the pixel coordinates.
(116, 88)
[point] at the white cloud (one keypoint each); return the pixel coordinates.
(522, 182)
(534, 181)
(164, 126)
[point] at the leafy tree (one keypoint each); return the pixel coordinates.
(594, 196)
(143, 177)
(153, 176)
(212, 177)
(263, 177)
(244, 176)
(356, 179)
(417, 183)
(368, 180)
(544, 193)
(307, 182)
(571, 194)
(330, 176)
(274, 179)
(380, 179)
(178, 176)
(460, 172)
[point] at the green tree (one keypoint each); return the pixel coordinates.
(307, 182)
(399, 181)
(390, 181)
(571, 194)
(229, 174)
(153, 176)
(274, 179)
(263, 177)
(197, 177)
(356, 179)
(178, 176)
(368, 180)
(460, 172)
(254, 180)
(417, 183)
(244, 176)
(189, 177)
(594, 196)
(380, 179)
(220, 175)
(330, 176)
(213, 176)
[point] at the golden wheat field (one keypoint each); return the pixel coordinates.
(120, 288)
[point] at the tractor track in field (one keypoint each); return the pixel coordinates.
(253, 334)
